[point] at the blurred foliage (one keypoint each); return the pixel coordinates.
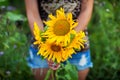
(104, 33)
(13, 44)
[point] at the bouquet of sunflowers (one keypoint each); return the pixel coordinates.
(59, 40)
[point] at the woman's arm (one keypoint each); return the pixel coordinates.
(33, 14)
(85, 14)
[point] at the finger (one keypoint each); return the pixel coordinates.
(50, 62)
(53, 64)
(54, 67)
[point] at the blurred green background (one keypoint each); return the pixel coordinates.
(104, 35)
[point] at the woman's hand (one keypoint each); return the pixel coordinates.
(53, 65)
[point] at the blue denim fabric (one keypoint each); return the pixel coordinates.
(81, 60)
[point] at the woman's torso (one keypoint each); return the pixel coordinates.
(50, 6)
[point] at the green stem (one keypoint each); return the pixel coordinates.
(53, 76)
(48, 74)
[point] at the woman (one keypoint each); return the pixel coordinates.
(38, 10)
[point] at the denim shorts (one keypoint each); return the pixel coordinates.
(81, 60)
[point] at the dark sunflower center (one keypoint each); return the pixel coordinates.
(56, 48)
(61, 27)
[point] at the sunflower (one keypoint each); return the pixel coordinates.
(68, 53)
(53, 51)
(36, 32)
(60, 27)
(78, 41)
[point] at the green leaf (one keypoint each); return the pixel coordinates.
(15, 17)
(45, 28)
